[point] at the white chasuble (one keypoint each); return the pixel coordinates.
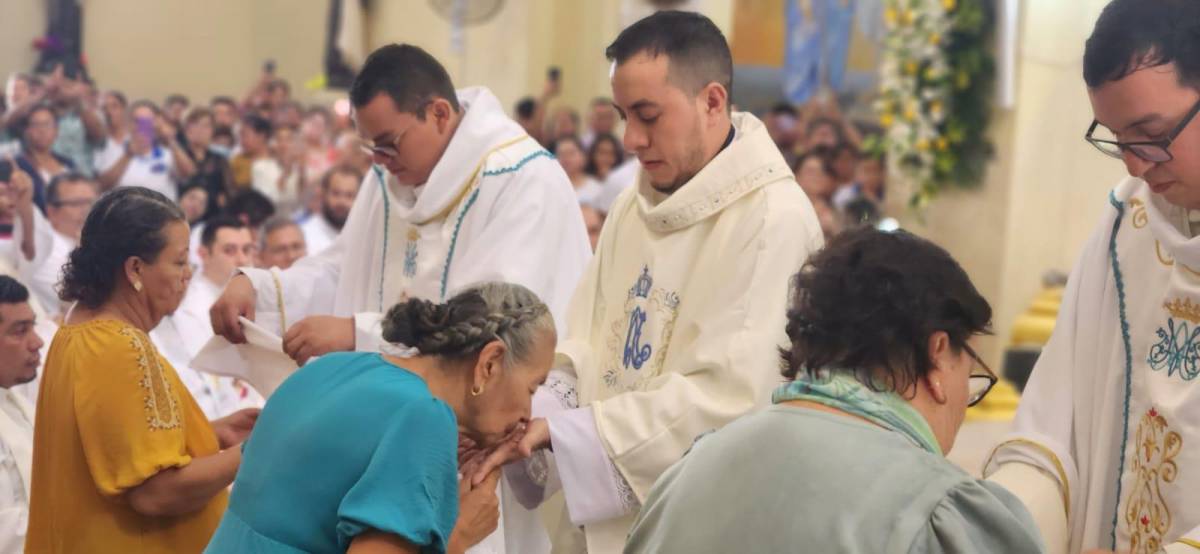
(497, 207)
(1112, 410)
(674, 331)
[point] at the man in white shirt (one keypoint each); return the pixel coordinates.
(19, 361)
(339, 187)
(281, 243)
(69, 198)
(225, 245)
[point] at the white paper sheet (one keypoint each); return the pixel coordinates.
(260, 362)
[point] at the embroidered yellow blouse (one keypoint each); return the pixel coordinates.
(111, 414)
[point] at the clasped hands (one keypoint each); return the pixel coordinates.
(475, 461)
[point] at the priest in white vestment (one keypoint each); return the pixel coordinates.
(225, 245)
(677, 325)
(19, 362)
(1106, 446)
(459, 195)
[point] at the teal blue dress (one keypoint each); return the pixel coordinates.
(350, 443)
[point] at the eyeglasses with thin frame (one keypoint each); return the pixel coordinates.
(978, 384)
(389, 150)
(1154, 151)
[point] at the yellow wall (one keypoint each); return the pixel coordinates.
(151, 49)
(21, 21)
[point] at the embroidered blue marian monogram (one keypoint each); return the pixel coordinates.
(1178, 349)
(636, 353)
(639, 340)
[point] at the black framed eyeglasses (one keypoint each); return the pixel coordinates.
(1154, 151)
(979, 384)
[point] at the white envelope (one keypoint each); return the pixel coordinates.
(260, 362)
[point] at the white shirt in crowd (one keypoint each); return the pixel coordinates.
(151, 170)
(42, 274)
(16, 460)
(318, 233)
(264, 177)
(589, 191)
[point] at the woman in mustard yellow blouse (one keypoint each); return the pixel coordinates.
(124, 460)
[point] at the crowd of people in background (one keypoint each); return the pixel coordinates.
(835, 163)
(269, 155)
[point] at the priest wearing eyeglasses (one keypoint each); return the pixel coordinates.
(459, 195)
(1106, 446)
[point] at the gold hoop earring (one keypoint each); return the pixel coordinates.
(477, 390)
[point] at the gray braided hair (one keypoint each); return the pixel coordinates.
(467, 322)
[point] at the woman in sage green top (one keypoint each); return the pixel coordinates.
(850, 458)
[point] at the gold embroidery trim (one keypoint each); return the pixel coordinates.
(1140, 219)
(466, 187)
(162, 410)
(1169, 261)
(1058, 467)
(1147, 515)
(279, 301)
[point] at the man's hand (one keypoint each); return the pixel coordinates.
(21, 188)
(478, 512)
(234, 428)
(165, 130)
(318, 335)
(236, 301)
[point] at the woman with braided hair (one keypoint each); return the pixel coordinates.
(357, 452)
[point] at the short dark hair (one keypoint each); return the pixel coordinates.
(821, 152)
(816, 122)
(618, 148)
(273, 224)
(251, 205)
(12, 291)
(784, 108)
(1132, 34)
(697, 52)
(40, 107)
(196, 114)
(56, 183)
(340, 169)
(525, 107)
(222, 100)
(120, 96)
(177, 98)
(147, 103)
(408, 75)
(125, 222)
(868, 303)
(602, 101)
(260, 125)
(214, 225)
(569, 138)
